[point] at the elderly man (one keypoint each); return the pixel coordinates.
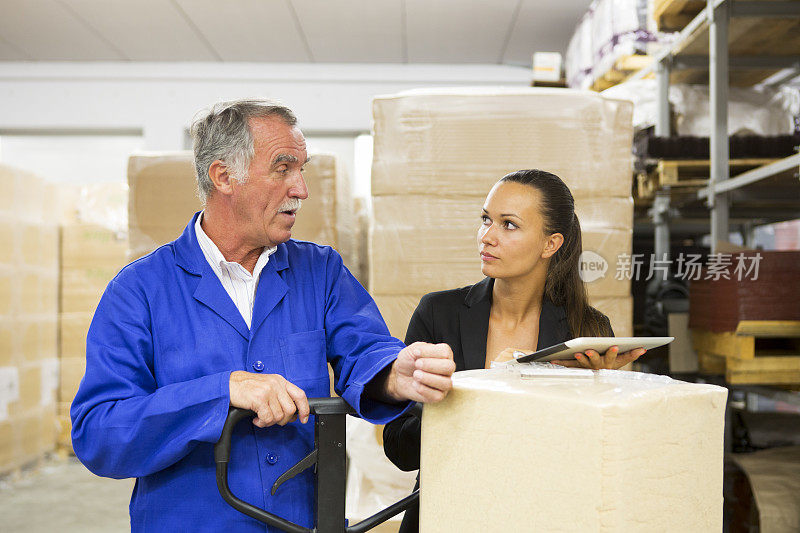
(234, 313)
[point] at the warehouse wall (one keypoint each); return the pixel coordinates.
(160, 99)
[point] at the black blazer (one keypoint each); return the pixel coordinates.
(459, 318)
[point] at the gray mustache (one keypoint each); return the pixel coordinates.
(293, 204)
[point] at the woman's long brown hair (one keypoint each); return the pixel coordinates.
(563, 284)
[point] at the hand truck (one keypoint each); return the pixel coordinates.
(330, 458)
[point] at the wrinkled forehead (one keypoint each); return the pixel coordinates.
(273, 138)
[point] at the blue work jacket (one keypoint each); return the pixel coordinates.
(159, 354)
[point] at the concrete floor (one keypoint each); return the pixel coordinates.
(61, 495)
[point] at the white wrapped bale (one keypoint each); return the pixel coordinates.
(533, 449)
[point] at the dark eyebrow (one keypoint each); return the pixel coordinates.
(504, 214)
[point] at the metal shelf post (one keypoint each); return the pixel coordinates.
(718, 20)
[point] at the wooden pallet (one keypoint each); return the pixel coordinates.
(674, 15)
(758, 352)
(621, 70)
(695, 172)
(761, 371)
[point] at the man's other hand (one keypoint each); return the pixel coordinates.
(422, 373)
(270, 396)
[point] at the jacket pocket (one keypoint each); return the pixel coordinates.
(304, 356)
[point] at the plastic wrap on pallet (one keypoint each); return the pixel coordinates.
(578, 59)
(421, 244)
(457, 142)
(751, 111)
(619, 28)
(610, 30)
(654, 443)
(373, 482)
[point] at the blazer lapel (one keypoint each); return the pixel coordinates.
(271, 287)
(474, 324)
(553, 327)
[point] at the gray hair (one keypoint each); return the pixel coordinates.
(223, 133)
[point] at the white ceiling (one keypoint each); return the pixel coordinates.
(338, 31)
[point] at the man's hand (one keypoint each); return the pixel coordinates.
(421, 373)
(275, 400)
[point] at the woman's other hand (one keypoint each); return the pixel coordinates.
(611, 360)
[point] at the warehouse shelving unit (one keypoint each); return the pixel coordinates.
(737, 43)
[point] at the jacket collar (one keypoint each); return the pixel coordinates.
(553, 326)
(189, 256)
(210, 292)
(474, 323)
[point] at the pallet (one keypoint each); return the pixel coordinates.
(760, 371)
(695, 172)
(622, 69)
(674, 15)
(751, 339)
(759, 352)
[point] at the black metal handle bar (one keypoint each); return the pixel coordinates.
(318, 406)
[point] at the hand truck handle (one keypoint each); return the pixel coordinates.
(318, 406)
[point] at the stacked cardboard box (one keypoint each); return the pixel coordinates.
(28, 314)
(91, 255)
(437, 154)
(671, 431)
(163, 198)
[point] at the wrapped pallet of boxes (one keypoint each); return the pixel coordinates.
(94, 247)
(163, 198)
(28, 315)
(437, 154)
(538, 449)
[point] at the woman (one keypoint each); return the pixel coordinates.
(532, 297)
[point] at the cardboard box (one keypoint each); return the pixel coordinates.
(672, 434)
(461, 141)
(547, 66)
(396, 310)
(74, 327)
(72, 371)
(28, 307)
(619, 311)
(163, 198)
(90, 246)
(424, 244)
(7, 282)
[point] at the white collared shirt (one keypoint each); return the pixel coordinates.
(237, 281)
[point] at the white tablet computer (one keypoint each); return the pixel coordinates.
(566, 350)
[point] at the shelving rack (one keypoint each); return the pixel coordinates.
(738, 43)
